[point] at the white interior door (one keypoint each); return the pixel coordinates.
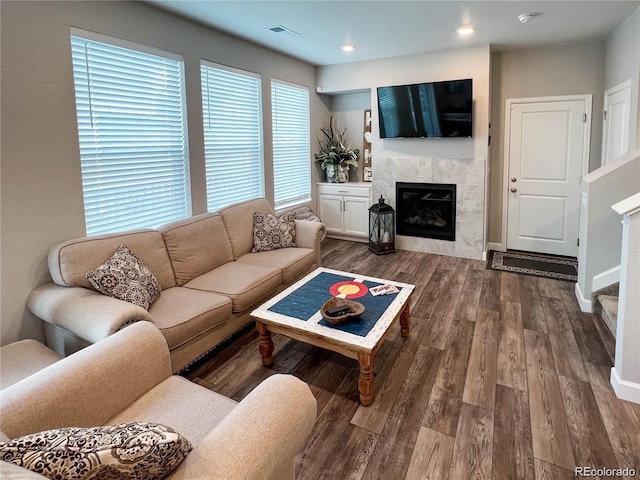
(546, 153)
(615, 125)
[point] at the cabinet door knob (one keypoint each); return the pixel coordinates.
(514, 179)
(514, 190)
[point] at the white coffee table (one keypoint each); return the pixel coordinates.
(295, 313)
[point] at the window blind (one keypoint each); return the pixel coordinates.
(232, 119)
(131, 128)
(291, 150)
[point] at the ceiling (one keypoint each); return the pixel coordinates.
(381, 29)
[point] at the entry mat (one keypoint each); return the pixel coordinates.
(561, 268)
(307, 300)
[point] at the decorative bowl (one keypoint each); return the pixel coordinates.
(355, 310)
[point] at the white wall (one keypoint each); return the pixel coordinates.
(539, 72)
(600, 227)
(41, 191)
(622, 64)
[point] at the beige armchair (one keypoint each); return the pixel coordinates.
(127, 377)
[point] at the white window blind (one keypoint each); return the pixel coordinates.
(232, 119)
(131, 126)
(291, 150)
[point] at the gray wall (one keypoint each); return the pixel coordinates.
(41, 191)
(600, 227)
(539, 72)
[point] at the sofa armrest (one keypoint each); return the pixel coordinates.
(260, 437)
(309, 235)
(88, 314)
(89, 387)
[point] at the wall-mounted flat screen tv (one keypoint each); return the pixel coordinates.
(436, 109)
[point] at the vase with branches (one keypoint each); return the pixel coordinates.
(336, 155)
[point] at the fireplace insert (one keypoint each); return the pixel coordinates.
(426, 210)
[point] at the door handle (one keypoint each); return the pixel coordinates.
(514, 190)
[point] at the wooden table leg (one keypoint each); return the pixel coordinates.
(266, 344)
(405, 319)
(365, 381)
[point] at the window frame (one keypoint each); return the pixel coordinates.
(306, 196)
(259, 110)
(176, 157)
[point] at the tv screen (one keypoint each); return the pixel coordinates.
(436, 109)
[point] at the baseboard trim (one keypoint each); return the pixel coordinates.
(498, 247)
(625, 390)
(585, 305)
(350, 238)
(606, 278)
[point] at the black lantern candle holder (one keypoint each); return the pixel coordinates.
(381, 228)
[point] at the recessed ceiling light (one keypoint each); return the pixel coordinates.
(348, 47)
(526, 17)
(466, 30)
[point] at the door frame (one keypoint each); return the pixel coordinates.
(586, 147)
(626, 85)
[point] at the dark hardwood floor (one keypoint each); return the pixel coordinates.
(502, 377)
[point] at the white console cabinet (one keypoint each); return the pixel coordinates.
(344, 209)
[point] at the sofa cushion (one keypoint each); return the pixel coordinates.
(23, 358)
(9, 471)
(271, 231)
(196, 245)
(70, 261)
(238, 222)
(191, 409)
(182, 314)
(244, 283)
(125, 277)
(144, 451)
(292, 261)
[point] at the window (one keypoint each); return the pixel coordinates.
(232, 119)
(131, 127)
(291, 151)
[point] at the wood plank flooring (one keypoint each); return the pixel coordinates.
(502, 377)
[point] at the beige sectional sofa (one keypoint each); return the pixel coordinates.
(127, 378)
(21, 359)
(210, 281)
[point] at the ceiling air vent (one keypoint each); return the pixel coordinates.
(284, 31)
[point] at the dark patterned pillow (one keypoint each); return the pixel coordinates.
(273, 231)
(146, 451)
(126, 277)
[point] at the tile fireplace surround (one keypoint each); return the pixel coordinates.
(469, 176)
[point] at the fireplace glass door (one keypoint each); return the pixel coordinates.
(426, 210)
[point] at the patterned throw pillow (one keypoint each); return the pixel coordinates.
(126, 277)
(146, 451)
(273, 231)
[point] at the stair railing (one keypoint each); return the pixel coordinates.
(625, 375)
